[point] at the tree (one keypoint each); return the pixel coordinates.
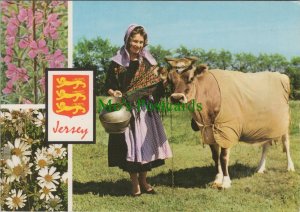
(211, 58)
(94, 54)
(159, 54)
(224, 60)
(279, 63)
(293, 71)
(182, 51)
(245, 62)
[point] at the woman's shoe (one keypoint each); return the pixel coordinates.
(149, 191)
(136, 194)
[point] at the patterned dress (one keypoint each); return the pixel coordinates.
(144, 144)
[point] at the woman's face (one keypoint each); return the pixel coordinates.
(136, 44)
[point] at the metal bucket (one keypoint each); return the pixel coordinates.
(115, 121)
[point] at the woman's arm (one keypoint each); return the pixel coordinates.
(111, 83)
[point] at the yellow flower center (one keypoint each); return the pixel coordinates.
(18, 170)
(16, 200)
(58, 151)
(48, 178)
(29, 140)
(42, 163)
(46, 190)
(16, 151)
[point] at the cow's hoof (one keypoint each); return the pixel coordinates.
(226, 182)
(261, 171)
(216, 185)
(290, 167)
(218, 179)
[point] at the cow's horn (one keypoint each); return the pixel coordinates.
(193, 58)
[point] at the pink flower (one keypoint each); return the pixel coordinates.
(50, 29)
(12, 27)
(4, 19)
(10, 40)
(55, 3)
(9, 87)
(9, 53)
(7, 59)
(24, 43)
(22, 74)
(38, 17)
(10, 73)
(56, 60)
(26, 101)
(37, 48)
(13, 73)
(26, 15)
(23, 15)
(4, 5)
(52, 19)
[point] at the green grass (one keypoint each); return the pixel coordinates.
(183, 184)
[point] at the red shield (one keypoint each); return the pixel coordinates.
(70, 95)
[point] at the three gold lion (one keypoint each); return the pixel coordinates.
(62, 81)
(63, 107)
(62, 94)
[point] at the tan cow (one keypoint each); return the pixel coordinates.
(249, 107)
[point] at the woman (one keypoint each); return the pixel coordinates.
(143, 145)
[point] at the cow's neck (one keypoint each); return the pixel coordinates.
(207, 92)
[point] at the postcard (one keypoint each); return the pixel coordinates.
(150, 105)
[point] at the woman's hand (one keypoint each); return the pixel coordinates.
(115, 93)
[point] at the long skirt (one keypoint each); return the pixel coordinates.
(142, 146)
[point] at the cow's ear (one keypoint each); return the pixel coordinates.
(193, 59)
(171, 61)
(200, 69)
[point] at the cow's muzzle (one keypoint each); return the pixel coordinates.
(178, 97)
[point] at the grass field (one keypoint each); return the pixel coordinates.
(183, 183)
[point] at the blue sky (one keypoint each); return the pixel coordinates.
(254, 27)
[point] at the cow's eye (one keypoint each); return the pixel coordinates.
(189, 79)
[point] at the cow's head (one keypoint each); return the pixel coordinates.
(182, 76)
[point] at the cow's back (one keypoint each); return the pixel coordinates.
(254, 106)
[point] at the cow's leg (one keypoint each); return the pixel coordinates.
(224, 158)
(262, 164)
(215, 150)
(286, 148)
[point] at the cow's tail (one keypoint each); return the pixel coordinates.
(285, 82)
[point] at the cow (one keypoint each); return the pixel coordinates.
(249, 107)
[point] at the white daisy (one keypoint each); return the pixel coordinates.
(42, 151)
(46, 193)
(39, 121)
(20, 148)
(64, 177)
(16, 169)
(16, 200)
(5, 116)
(41, 161)
(29, 140)
(53, 204)
(4, 184)
(48, 177)
(57, 151)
